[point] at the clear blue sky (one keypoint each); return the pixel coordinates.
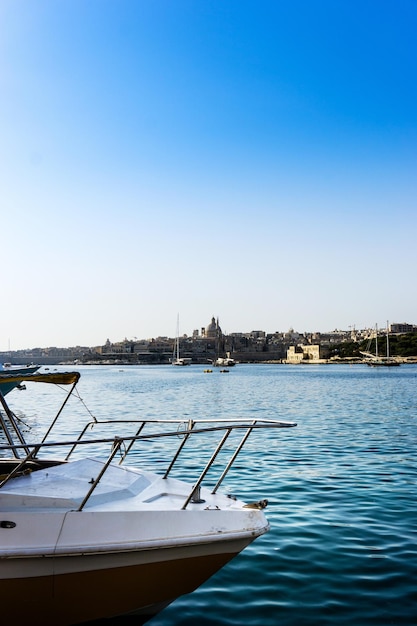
(251, 160)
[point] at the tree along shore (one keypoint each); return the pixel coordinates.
(403, 346)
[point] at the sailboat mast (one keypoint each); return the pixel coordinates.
(178, 337)
(387, 339)
(376, 340)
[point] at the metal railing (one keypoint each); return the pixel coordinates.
(124, 445)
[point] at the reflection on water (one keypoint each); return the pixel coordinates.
(341, 486)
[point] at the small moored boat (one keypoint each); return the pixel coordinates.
(176, 358)
(224, 361)
(376, 360)
(7, 370)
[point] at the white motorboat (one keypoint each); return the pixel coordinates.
(224, 362)
(84, 537)
(7, 368)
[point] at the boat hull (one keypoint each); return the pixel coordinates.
(90, 587)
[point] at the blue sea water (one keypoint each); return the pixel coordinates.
(342, 487)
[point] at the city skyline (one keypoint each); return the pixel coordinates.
(255, 160)
(363, 332)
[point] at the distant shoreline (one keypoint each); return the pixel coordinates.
(407, 361)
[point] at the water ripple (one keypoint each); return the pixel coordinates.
(342, 487)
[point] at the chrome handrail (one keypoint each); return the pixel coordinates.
(225, 426)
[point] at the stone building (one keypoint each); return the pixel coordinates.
(305, 353)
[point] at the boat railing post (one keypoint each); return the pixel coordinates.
(80, 436)
(115, 448)
(13, 424)
(190, 426)
(233, 457)
(20, 465)
(133, 441)
(195, 493)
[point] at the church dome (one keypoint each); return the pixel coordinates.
(213, 329)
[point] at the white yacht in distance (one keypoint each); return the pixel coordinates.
(176, 359)
(375, 360)
(224, 362)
